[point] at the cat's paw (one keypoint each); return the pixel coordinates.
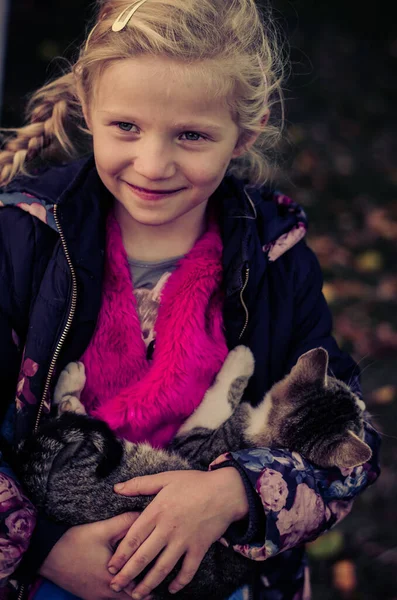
(71, 382)
(239, 363)
(71, 404)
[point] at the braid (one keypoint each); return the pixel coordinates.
(52, 111)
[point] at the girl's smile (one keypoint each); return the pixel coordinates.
(152, 195)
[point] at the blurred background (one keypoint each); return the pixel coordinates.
(341, 165)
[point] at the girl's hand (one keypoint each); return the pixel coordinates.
(78, 561)
(192, 509)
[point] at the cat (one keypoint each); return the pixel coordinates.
(69, 466)
(147, 302)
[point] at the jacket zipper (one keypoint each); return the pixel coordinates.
(247, 273)
(72, 310)
(68, 321)
(247, 270)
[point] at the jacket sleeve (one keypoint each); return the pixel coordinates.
(292, 501)
(17, 515)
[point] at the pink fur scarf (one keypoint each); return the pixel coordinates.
(145, 401)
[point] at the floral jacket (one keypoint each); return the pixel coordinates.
(52, 239)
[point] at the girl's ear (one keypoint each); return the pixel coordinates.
(243, 145)
(86, 115)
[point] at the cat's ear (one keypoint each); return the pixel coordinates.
(311, 366)
(351, 452)
(158, 288)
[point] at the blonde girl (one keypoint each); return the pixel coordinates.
(139, 234)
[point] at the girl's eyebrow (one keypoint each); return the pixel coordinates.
(192, 125)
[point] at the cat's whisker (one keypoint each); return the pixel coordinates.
(369, 366)
(363, 358)
(357, 370)
(386, 435)
(373, 426)
(331, 372)
(374, 362)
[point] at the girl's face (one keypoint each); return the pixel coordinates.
(155, 128)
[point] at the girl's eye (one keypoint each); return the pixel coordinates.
(127, 127)
(193, 133)
(124, 126)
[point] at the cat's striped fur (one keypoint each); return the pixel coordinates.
(70, 465)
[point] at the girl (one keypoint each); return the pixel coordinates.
(148, 257)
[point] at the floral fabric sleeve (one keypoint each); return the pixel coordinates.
(17, 514)
(300, 501)
(18, 518)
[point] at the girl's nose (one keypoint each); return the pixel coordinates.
(154, 160)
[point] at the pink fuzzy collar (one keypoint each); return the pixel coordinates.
(149, 401)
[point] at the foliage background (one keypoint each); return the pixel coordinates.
(340, 155)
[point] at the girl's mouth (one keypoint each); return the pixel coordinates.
(152, 195)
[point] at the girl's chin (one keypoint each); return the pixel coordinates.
(148, 217)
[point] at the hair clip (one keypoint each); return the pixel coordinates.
(92, 31)
(125, 16)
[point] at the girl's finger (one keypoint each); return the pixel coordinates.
(189, 569)
(142, 486)
(130, 588)
(163, 567)
(146, 553)
(134, 538)
(118, 527)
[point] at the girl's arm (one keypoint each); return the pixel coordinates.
(20, 526)
(28, 539)
(298, 502)
(291, 500)
(17, 515)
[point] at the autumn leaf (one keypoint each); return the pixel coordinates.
(379, 221)
(384, 394)
(344, 576)
(326, 546)
(330, 293)
(387, 288)
(369, 261)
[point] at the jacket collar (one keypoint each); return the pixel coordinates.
(251, 219)
(83, 199)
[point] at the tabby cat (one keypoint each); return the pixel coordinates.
(69, 466)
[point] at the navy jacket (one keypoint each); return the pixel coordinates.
(51, 265)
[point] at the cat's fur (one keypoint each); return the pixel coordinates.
(70, 465)
(147, 302)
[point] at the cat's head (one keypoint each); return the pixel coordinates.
(318, 415)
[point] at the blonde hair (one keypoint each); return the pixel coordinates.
(233, 41)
